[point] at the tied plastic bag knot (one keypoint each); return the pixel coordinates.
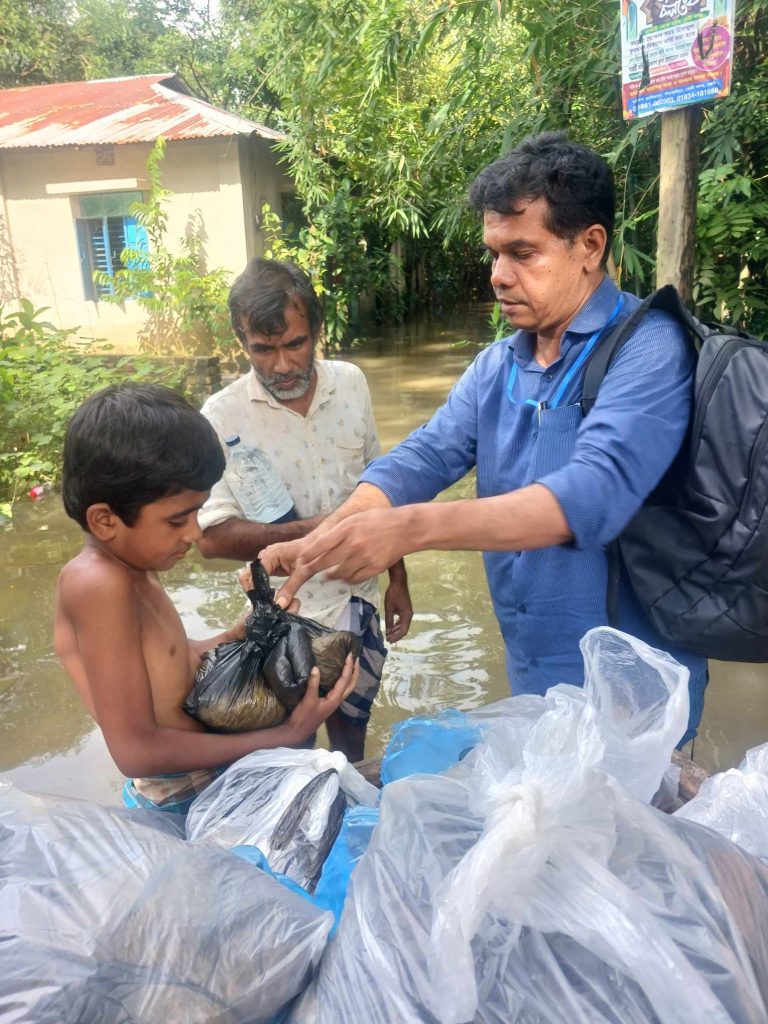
(329, 759)
(514, 821)
(521, 803)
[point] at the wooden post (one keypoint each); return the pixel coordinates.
(677, 198)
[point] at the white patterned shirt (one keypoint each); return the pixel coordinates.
(319, 457)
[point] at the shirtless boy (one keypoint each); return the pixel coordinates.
(139, 462)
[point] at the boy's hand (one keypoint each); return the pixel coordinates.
(246, 578)
(236, 632)
(312, 710)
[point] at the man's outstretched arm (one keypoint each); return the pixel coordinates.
(365, 542)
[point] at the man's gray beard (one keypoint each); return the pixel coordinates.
(301, 388)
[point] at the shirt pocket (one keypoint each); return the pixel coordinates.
(349, 461)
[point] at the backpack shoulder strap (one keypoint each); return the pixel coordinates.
(665, 298)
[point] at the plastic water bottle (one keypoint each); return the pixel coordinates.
(261, 493)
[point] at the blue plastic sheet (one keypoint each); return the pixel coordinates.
(350, 845)
(428, 745)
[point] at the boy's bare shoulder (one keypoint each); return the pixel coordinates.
(90, 578)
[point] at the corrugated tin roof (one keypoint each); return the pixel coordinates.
(114, 111)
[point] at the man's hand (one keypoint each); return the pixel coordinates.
(357, 548)
(280, 559)
(312, 710)
(398, 610)
(246, 582)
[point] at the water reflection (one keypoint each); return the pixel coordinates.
(452, 656)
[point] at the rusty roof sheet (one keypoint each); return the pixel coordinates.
(114, 111)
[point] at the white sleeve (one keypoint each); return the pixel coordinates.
(222, 504)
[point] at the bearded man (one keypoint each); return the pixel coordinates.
(298, 433)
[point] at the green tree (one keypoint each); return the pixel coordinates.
(391, 106)
(39, 43)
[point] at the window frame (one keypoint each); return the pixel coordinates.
(85, 235)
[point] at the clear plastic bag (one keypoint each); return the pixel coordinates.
(105, 921)
(288, 803)
(735, 803)
(532, 883)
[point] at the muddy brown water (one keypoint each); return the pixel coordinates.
(453, 655)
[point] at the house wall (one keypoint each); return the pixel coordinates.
(39, 256)
(264, 181)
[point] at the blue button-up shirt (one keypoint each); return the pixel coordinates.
(600, 469)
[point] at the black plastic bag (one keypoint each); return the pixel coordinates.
(254, 683)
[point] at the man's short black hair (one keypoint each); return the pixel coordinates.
(576, 182)
(131, 444)
(265, 288)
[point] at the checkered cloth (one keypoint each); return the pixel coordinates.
(174, 792)
(362, 619)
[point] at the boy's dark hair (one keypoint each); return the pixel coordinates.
(265, 288)
(576, 182)
(131, 444)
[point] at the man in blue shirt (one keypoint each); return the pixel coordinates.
(554, 487)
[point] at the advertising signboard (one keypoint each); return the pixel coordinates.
(674, 53)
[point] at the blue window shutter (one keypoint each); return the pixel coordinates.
(116, 239)
(136, 238)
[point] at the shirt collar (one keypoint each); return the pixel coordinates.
(326, 385)
(592, 316)
(595, 312)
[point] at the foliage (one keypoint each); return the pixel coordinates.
(314, 253)
(38, 42)
(570, 72)
(732, 246)
(403, 102)
(366, 110)
(186, 305)
(44, 376)
(333, 251)
(61, 40)
(391, 106)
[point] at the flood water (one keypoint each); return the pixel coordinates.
(453, 655)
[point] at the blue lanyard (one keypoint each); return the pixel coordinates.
(583, 356)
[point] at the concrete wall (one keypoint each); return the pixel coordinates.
(264, 181)
(215, 184)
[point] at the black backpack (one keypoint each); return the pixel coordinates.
(696, 553)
